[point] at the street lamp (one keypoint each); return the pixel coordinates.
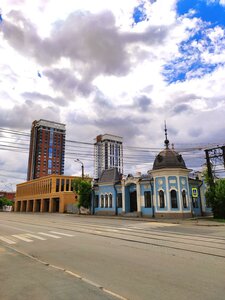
(82, 166)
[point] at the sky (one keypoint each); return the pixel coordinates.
(118, 67)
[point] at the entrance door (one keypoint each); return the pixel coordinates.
(133, 201)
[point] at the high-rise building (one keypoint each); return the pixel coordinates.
(108, 152)
(47, 149)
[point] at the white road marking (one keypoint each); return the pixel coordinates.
(22, 238)
(35, 236)
(50, 235)
(60, 233)
(7, 240)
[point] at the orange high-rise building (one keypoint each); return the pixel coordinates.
(47, 149)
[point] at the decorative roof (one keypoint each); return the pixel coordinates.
(110, 175)
(168, 158)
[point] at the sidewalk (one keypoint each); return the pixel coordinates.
(199, 221)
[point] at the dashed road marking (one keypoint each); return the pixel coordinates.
(50, 235)
(60, 233)
(4, 239)
(22, 238)
(35, 236)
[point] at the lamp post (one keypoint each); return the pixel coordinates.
(82, 167)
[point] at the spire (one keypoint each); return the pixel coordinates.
(166, 140)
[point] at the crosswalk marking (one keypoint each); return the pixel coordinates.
(7, 240)
(35, 236)
(60, 233)
(23, 238)
(50, 235)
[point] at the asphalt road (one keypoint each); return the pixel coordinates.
(58, 256)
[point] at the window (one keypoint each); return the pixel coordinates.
(173, 196)
(106, 200)
(161, 199)
(102, 201)
(96, 200)
(184, 198)
(62, 185)
(49, 163)
(147, 197)
(110, 200)
(67, 184)
(57, 185)
(119, 200)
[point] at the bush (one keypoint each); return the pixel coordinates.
(215, 197)
(4, 201)
(83, 190)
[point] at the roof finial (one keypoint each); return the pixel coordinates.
(166, 140)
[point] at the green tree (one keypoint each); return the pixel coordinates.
(215, 197)
(82, 188)
(5, 201)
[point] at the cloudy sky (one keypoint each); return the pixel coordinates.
(119, 67)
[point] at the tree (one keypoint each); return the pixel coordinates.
(215, 197)
(82, 188)
(5, 201)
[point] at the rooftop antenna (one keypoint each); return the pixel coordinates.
(166, 140)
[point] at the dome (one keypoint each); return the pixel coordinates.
(168, 158)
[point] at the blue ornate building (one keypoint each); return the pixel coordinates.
(167, 191)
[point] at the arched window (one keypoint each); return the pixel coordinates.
(173, 196)
(161, 199)
(102, 201)
(184, 198)
(110, 200)
(106, 200)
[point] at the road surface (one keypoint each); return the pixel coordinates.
(59, 256)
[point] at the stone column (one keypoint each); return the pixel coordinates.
(138, 187)
(123, 197)
(28, 206)
(42, 205)
(51, 205)
(21, 206)
(35, 205)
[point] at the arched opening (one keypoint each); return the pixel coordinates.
(106, 200)
(102, 201)
(110, 200)
(161, 199)
(184, 198)
(173, 196)
(133, 201)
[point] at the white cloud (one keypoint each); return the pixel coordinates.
(103, 73)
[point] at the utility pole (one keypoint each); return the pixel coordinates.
(209, 168)
(82, 167)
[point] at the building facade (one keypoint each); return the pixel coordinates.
(166, 191)
(47, 149)
(47, 194)
(108, 153)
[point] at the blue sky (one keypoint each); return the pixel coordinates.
(211, 14)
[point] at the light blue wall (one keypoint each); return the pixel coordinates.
(106, 189)
(174, 185)
(184, 186)
(146, 211)
(162, 186)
